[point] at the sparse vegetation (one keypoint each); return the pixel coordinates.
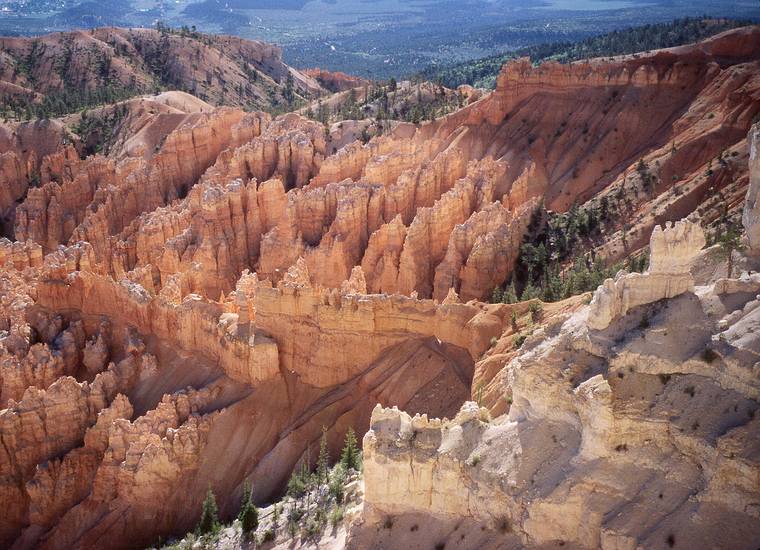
(336, 516)
(482, 72)
(555, 261)
(709, 355)
(503, 525)
(314, 500)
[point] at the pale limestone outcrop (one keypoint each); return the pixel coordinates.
(638, 438)
(415, 463)
(674, 249)
(671, 252)
(297, 275)
(751, 214)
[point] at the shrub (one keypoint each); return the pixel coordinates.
(313, 528)
(324, 458)
(709, 355)
(295, 514)
(519, 341)
(297, 483)
(503, 525)
(292, 527)
(535, 311)
(336, 516)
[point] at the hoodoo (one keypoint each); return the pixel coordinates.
(202, 302)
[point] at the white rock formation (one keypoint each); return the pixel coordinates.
(641, 437)
(751, 214)
(672, 251)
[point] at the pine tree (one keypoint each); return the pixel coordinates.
(209, 522)
(323, 462)
(248, 515)
(728, 242)
(350, 456)
(529, 292)
(510, 294)
(497, 296)
(297, 483)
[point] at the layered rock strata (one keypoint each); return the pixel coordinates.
(255, 282)
(634, 435)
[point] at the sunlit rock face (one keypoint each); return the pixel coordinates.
(190, 308)
(672, 252)
(751, 214)
(609, 429)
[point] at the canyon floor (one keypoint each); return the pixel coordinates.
(191, 294)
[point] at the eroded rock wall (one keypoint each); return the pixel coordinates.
(616, 437)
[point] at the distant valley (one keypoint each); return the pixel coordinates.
(370, 39)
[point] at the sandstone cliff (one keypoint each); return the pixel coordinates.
(190, 307)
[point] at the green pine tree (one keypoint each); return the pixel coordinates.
(248, 515)
(323, 462)
(297, 483)
(350, 456)
(729, 242)
(209, 522)
(510, 294)
(529, 292)
(496, 296)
